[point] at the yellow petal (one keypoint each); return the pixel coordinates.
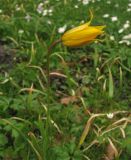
(86, 33)
(76, 43)
(74, 30)
(79, 28)
(91, 17)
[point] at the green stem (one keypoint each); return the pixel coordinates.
(48, 61)
(47, 134)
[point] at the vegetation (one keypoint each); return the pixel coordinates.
(84, 113)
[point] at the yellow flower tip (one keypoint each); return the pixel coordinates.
(82, 34)
(91, 17)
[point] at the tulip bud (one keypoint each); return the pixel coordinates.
(81, 35)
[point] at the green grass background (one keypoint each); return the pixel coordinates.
(98, 73)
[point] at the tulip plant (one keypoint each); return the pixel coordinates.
(76, 37)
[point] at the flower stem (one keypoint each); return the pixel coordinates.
(48, 121)
(48, 63)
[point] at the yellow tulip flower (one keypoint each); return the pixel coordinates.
(82, 34)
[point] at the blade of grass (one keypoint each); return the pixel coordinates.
(35, 143)
(111, 84)
(87, 128)
(121, 77)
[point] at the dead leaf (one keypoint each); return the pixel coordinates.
(57, 74)
(111, 151)
(70, 99)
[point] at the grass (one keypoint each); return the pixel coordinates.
(88, 113)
